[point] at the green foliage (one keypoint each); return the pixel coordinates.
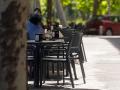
(66, 2)
(79, 10)
(84, 8)
(43, 4)
(115, 7)
(103, 8)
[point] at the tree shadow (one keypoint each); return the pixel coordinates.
(57, 87)
(115, 41)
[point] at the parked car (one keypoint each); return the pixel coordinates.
(103, 25)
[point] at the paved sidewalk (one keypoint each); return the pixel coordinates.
(102, 68)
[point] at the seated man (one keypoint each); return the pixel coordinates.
(34, 25)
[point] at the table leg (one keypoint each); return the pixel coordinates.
(36, 70)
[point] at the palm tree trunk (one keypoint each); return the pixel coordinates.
(60, 13)
(49, 14)
(108, 7)
(13, 14)
(95, 7)
(34, 4)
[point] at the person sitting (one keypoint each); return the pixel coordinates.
(34, 25)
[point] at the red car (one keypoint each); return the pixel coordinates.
(103, 25)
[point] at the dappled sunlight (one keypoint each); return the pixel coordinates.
(92, 83)
(103, 55)
(104, 47)
(113, 40)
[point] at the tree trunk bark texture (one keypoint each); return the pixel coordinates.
(49, 14)
(96, 5)
(60, 13)
(108, 7)
(13, 14)
(34, 4)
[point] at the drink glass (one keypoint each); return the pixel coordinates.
(38, 37)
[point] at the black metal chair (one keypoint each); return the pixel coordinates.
(74, 46)
(76, 52)
(76, 43)
(58, 56)
(67, 33)
(30, 61)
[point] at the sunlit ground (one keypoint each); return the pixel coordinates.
(102, 66)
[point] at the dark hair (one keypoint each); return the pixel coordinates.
(35, 19)
(36, 9)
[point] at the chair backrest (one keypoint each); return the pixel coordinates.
(67, 33)
(75, 41)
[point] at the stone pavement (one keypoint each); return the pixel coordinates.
(102, 67)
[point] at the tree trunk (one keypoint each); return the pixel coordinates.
(108, 7)
(49, 14)
(31, 6)
(95, 7)
(13, 14)
(60, 13)
(34, 4)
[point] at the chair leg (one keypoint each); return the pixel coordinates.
(67, 73)
(53, 71)
(74, 69)
(69, 70)
(58, 73)
(63, 73)
(83, 50)
(81, 65)
(44, 71)
(83, 72)
(47, 71)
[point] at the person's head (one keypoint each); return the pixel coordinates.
(36, 17)
(37, 11)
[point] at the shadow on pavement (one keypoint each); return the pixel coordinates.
(114, 41)
(57, 88)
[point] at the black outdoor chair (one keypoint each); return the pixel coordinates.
(67, 33)
(58, 56)
(30, 61)
(74, 46)
(76, 52)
